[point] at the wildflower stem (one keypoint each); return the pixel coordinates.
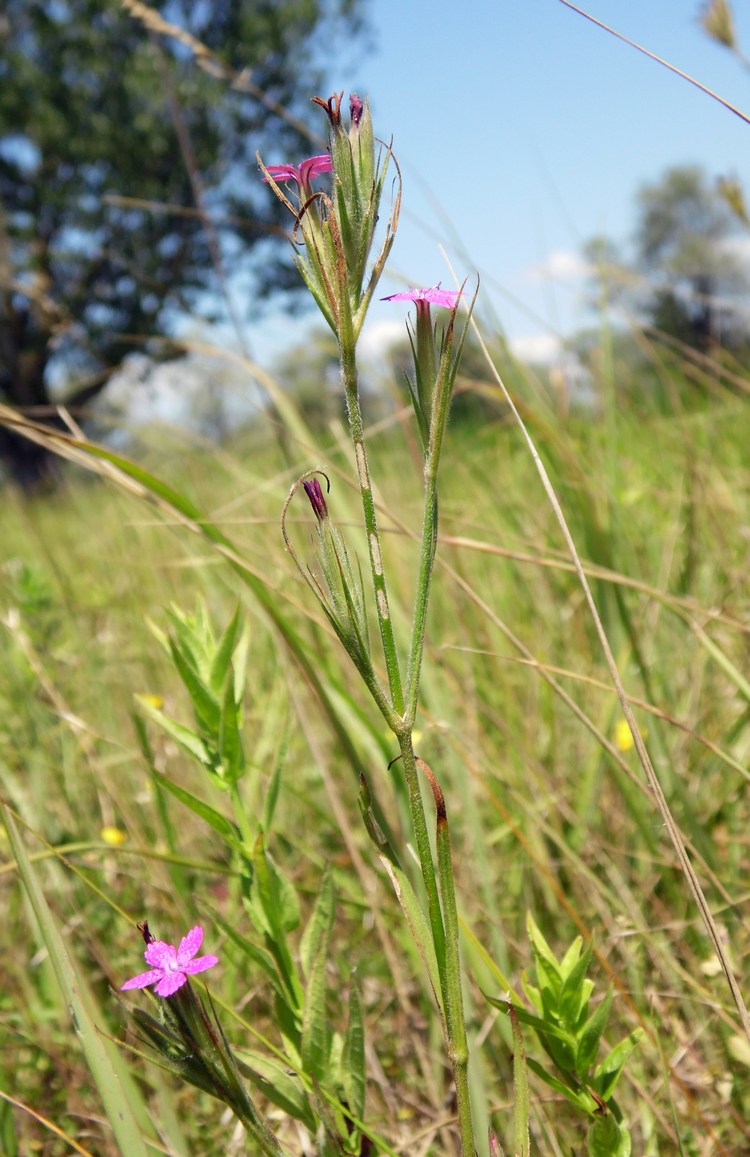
(424, 851)
(426, 562)
(454, 1005)
(349, 380)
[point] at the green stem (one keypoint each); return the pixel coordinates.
(438, 421)
(424, 851)
(458, 1049)
(349, 379)
(426, 561)
(446, 939)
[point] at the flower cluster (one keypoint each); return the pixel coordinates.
(337, 229)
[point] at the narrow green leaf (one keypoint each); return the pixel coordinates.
(320, 924)
(192, 636)
(231, 751)
(271, 794)
(575, 991)
(204, 702)
(540, 1026)
(578, 1097)
(353, 1059)
(572, 957)
(254, 953)
(274, 895)
(118, 1092)
(222, 659)
(216, 820)
(274, 908)
(239, 664)
(405, 894)
(281, 1087)
(606, 1074)
(316, 1033)
(183, 736)
(547, 967)
(591, 1033)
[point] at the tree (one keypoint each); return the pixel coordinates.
(119, 140)
(685, 244)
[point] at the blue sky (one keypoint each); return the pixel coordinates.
(522, 130)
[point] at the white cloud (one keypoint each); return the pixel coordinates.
(560, 265)
(379, 335)
(537, 348)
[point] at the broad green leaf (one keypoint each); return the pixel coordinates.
(591, 1033)
(217, 821)
(353, 1059)
(116, 1087)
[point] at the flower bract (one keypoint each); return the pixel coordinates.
(170, 966)
(433, 296)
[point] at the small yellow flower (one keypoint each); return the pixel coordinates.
(113, 836)
(156, 701)
(623, 735)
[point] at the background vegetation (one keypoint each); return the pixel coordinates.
(549, 812)
(548, 808)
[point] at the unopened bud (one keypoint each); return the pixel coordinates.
(356, 108)
(314, 492)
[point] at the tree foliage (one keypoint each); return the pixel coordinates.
(118, 140)
(689, 271)
(685, 242)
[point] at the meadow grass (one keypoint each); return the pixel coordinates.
(549, 811)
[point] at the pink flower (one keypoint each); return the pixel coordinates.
(171, 966)
(433, 296)
(302, 174)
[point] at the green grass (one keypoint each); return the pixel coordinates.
(517, 712)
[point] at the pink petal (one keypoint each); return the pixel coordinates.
(200, 964)
(169, 983)
(313, 166)
(160, 954)
(189, 945)
(143, 980)
(282, 173)
(434, 295)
